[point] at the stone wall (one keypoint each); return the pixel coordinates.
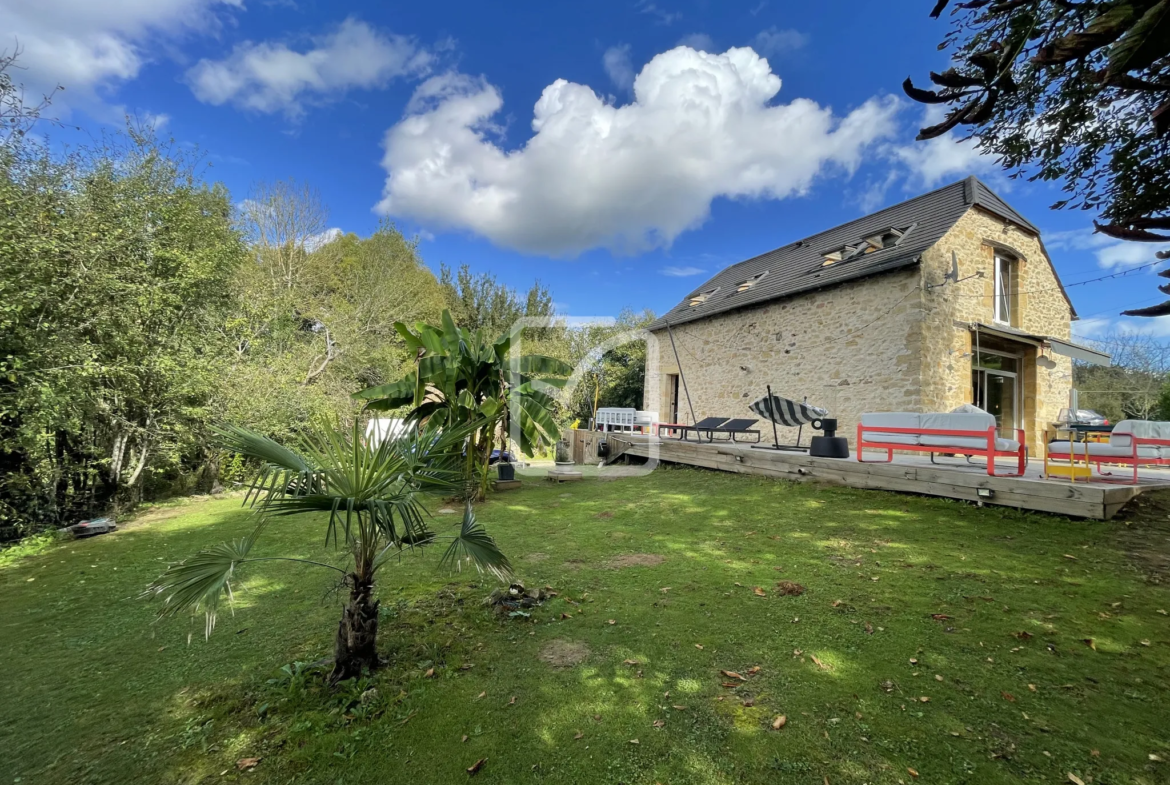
(884, 343)
(947, 311)
(852, 348)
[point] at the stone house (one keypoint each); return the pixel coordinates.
(946, 299)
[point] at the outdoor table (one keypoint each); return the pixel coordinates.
(1077, 432)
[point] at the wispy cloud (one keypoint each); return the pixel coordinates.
(698, 41)
(661, 15)
(617, 64)
(774, 41)
(1111, 254)
(681, 272)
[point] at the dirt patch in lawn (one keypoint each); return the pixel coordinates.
(560, 653)
(573, 564)
(635, 560)
(535, 556)
(1145, 535)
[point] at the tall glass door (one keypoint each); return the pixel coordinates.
(995, 382)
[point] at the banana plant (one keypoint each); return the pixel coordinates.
(461, 377)
(372, 494)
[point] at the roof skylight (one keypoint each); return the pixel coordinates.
(702, 297)
(748, 283)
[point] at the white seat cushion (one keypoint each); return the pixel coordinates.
(1143, 429)
(1103, 450)
(891, 420)
(957, 422)
(968, 442)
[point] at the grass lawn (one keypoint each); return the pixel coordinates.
(968, 645)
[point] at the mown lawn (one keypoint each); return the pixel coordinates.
(968, 645)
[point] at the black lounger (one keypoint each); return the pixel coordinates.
(706, 425)
(738, 426)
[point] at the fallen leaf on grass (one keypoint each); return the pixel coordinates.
(597, 718)
(612, 621)
(913, 773)
(677, 707)
(634, 741)
(699, 646)
(733, 675)
(1032, 687)
(820, 664)
(1074, 558)
(580, 735)
(1023, 635)
(465, 737)
(836, 603)
(513, 701)
(731, 684)
(939, 616)
(789, 588)
(481, 695)
(1155, 758)
(430, 674)
(658, 723)
(474, 768)
(752, 671)
(749, 702)
(1145, 642)
(1095, 753)
(247, 764)
(868, 628)
(566, 616)
(924, 699)
(779, 722)
(1092, 644)
(1007, 696)
(1074, 779)
(630, 662)
(759, 592)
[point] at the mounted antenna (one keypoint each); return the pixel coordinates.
(953, 275)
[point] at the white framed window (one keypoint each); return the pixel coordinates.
(1003, 299)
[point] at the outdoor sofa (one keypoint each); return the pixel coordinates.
(1132, 443)
(952, 434)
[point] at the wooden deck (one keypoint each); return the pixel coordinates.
(953, 478)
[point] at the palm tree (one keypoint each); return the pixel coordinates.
(371, 493)
(465, 377)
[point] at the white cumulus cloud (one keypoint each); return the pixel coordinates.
(91, 46)
(632, 177)
(273, 77)
(1110, 253)
(944, 159)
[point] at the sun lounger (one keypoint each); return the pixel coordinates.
(707, 425)
(742, 427)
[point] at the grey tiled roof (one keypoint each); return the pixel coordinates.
(796, 267)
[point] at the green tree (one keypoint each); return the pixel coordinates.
(462, 378)
(372, 495)
(612, 374)
(115, 265)
(296, 352)
(1073, 92)
(480, 302)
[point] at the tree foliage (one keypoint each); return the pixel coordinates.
(115, 266)
(481, 302)
(372, 497)
(1073, 92)
(463, 377)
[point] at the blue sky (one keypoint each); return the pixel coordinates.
(619, 151)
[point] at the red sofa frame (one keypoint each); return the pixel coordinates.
(989, 453)
(1133, 459)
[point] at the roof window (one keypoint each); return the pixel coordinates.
(702, 297)
(748, 283)
(878, 241)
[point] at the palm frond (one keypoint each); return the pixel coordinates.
(473, 544)
(199, 583)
